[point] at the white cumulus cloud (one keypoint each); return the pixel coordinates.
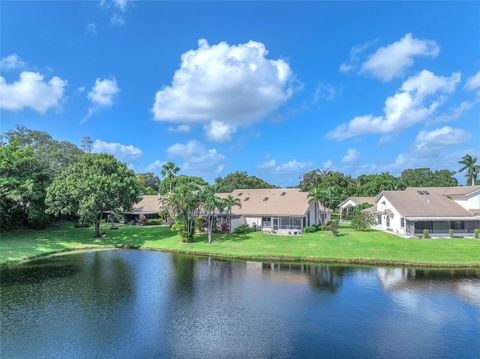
(473, 82)
(292, 166)
(351, 157)
(11, 62)
(392, 60)
(198, 160)
(31, 91)
(224, 87)
(155, 166)
(416, 100)
(102, 94)
(122, 152)
(440, 137)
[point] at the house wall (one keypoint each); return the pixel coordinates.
(469, 202)
(253, 221)
(348, 203)
(383, 204)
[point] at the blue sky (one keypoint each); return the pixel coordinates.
(275, 89)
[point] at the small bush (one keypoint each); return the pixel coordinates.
(426, 234)
(334, 227)
(362, 222)
(451, 232)
(244, 229)
(310, 229)
(153, 221)
(476, 233)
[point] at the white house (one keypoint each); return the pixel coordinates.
(284, 210)
(437, 209)
(351, 202)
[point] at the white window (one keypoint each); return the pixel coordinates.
(402, 222)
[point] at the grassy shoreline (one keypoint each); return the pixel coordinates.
(362, 248)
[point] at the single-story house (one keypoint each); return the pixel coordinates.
(284, 210)
(437, 209)
(351, 202)
(149, 206)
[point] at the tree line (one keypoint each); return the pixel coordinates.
(42, 179)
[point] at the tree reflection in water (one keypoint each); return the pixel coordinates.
(323, 278)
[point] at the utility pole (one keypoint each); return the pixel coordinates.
(87, 144)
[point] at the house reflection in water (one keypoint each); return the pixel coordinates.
(464, 283)
(321, 277)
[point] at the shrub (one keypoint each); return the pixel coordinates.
(362, 222)
(451, 232)
(244, 229)
(426, 234)
(153, 221)
(476, 233)
(310, 229)
(334, 227)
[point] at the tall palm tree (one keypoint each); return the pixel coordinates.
(210, 205)
(229, 203)
(314, 196)
(168, 173)
(472, 170)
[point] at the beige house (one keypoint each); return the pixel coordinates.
(149, 206)
(283, 210)
(436, 209)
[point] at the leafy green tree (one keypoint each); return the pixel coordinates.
(230, 203)
(425, 177)
(343, 186)
(23, 182)
(54, 155)
(239, 180)
(470, 167)
(179, 181)
(96, 184)
(148, 182)
(371, 185)
(186, 201)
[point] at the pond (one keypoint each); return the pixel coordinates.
(145, 304)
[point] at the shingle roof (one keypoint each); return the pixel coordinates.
(148, 204)
(447, 191)
(361, 200)
(270, 202)
(410, 203)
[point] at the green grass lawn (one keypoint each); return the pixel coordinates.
(356, 247)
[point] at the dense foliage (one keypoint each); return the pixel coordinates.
(239, 180)
(425, 177)
(95, 184)
(148, 183)
(29, 162)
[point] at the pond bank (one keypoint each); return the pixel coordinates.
(351, 247)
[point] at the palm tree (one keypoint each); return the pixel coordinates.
(210, 205)
(168, 173)
(314, 196)
(468, 162)
(229, 203)
(324, 197)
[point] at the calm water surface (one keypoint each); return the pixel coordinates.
(140, 304)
